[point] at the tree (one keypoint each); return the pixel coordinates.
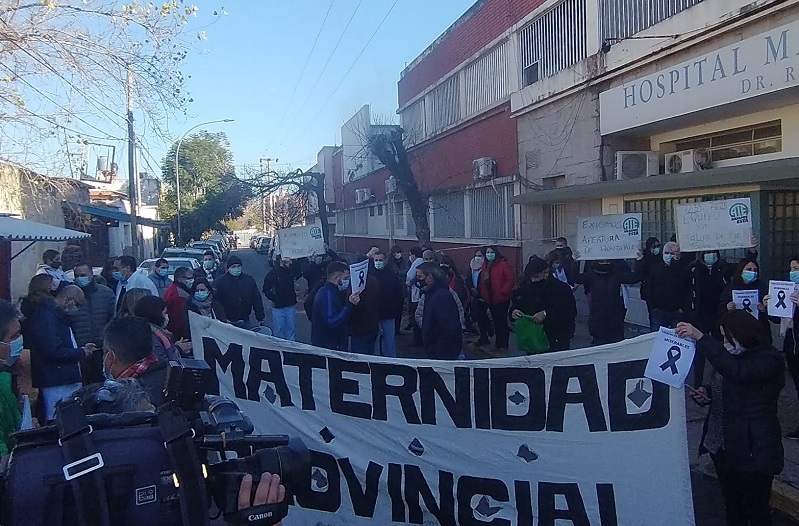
(389, 148)
(210, 192)
(64, 68)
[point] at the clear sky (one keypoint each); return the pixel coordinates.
(254, 57)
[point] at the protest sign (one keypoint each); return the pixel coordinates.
(747, 300)
(523, 441)
(714, 225)
(671, 358)
(609, 237)
(301, 241)
(358, 273)
(779, 301)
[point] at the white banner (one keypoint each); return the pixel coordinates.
(578, 435)
(609, 236)
(714, 225)
(301, 241)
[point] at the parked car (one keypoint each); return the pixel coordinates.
(174, 264)
(184, 253)
(264, 244)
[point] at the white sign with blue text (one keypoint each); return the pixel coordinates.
(714, 225)
(609, 237)
(671, 358)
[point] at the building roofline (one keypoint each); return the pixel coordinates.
(463, 18)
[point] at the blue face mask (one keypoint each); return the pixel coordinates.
(189, 283)
(344, 285)
(117, 275)
(667, 258)
(656, 251)
(380, 265)
(83, 281)
(491, 256)
(749, 276)
(711, 258)
(15, 348)
(235, 271)
(794, 276)
(163, 272)
(208, 264)
(201, 295)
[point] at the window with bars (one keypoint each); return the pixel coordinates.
(491, 213)
(361, 221)
(413, 122)
(759, 139)
(444, 105)
(554, 221)
(542, 47)
(783, 225)
(623, 18)
(449, 218)
(487, 79)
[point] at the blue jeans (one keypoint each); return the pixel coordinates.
(52, 395)
(386, 344)
(284, 321)
(363, 344)
(662, 318)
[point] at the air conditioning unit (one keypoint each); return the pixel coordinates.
(362, 195)
(634, 165)
(688, 161)
(484, 168)
(391, 185)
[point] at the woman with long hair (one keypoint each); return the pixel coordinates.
(496, 288)
(153, 310)
(202, 302)
(130, 300)
(746, 276)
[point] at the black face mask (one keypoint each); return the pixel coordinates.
(55, 264)
(604, 268)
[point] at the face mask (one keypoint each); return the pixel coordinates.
(656, 251)
(166, 320)
(117, 275)
(83, 281)
(56, 265)
(201, 295)
(380, 265)
(163, 272)
(344, 285)
(189, 283)
(749, 276)
(491, 256)
(667, 258)
(478, 260)
(604, 267)
(711, 259)
(15, 348)
(734, 349)
(559, 248)
(71, 310)
(107, 371)
(318, 260)
(794, 276)
(398, 256)
(208, 264)
(235, 271)
(420, 283)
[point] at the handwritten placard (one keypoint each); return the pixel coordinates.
(714, 225)
(609, 237)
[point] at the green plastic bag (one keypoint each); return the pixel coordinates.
(530, 336)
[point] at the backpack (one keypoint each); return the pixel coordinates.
(309, 300)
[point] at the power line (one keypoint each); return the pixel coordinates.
(354, 62)
(305, 66)
(324, 68)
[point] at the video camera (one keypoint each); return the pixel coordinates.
(148, 468)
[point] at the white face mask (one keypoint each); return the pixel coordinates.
(734, 348)
(166, 320)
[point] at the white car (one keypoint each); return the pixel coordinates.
(174, 264)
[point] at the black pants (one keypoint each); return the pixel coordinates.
(791, 358)
(746, 495)
(417, 331)
(499, 313)
(480, 314)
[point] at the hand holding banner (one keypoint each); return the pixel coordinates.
(779, 301)
(671, 358)
(358, 273)
(747, 300)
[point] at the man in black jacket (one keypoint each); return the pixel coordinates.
(211, 271)
(279, 289)
(129, 354)
(89, 320)
(239, 296)
(442, 334)
(392, 296)
(666, 288)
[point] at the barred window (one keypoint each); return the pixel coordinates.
(623, 18)
(487, 79)
(445, 105)
(491, 214)
(448, 215)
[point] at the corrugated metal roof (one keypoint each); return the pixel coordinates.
(13, 229)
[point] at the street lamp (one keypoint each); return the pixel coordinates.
(177, 170)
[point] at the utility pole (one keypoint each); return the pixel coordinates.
(132, 197)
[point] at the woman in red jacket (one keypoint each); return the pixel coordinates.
(496, 289)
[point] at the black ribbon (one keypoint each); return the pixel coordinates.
(361, 277)
(747, 305)
(671, 363)
(781, 300)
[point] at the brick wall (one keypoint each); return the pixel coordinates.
(487, 20)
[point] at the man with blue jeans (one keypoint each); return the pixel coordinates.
(279, 289)
(390, 305)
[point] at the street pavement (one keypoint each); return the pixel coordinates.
(708, 504)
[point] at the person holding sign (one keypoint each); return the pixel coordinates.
(607, 311)
(746, 447)
(746, 277)
(549, 301)
(330, 312)
(666, 290)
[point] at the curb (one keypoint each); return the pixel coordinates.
(784, 497)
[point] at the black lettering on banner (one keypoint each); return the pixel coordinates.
(548, 513)
(659, 413)
(340, 386)
(607, 505)
(588, 397)
(524, 502)
(233, 358)
(363, 500)
(458, 406)
(468, 487)
(328, 499)
(395, 492)
(305, 364)
(381, 390)
(416, 487)
(536, 416)
(274, 375)
(482, 408)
